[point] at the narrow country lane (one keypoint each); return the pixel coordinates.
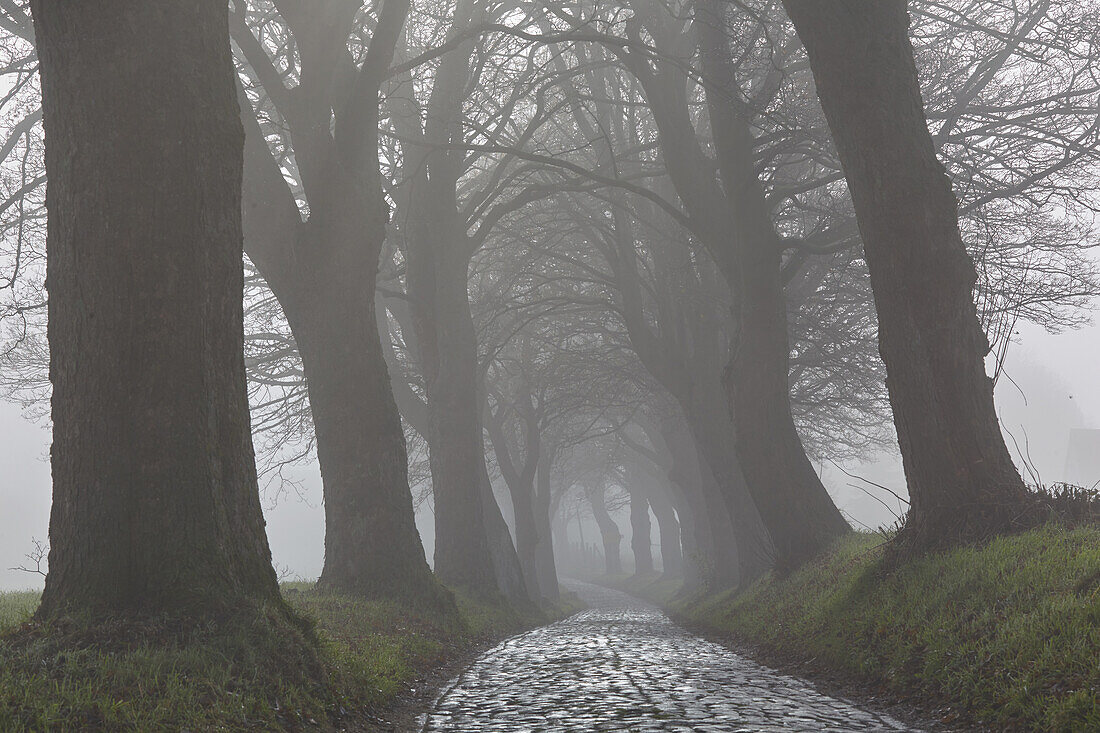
(622, 665)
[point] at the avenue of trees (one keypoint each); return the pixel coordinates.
(522, 260)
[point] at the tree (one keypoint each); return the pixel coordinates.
(729, 215)
(651, 476)
(641, 541)
(520, 476)
(962, 482)
(156, 506)
(322, 265)
(472, 544)
(610, 535)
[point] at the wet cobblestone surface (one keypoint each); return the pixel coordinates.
(623, 665)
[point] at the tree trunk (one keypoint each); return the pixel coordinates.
(962, 482)
(559, 535)
(694, 537)
(545, 566)
(722, 472)
(438, 252)
(372, 546)
(641, 540)
(732, 220)
(502, 551)
(727, 560)
(799, 513)
(437, 288)
(609, 533)
(439, 302)
(718, 561)
(156, 506)
(668, 526)
(526, 534)
(520, 480)
(323, 273)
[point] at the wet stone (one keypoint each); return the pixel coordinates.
(622, 665)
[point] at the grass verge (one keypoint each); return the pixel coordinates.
(1007, 633)
(344, 663)
(16, 608)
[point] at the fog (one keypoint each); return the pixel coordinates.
(1054, 372)
(610, 359)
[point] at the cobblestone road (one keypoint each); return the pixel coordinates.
(622, 665)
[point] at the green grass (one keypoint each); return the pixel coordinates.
(347, 658)
(1007, 633)
(16, 608)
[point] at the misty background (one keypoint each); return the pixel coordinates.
(1050, 387)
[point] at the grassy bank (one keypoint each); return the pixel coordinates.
(347, 661)
(1007, 634)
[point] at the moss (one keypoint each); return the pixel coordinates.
(348, 657)
(1007, 633)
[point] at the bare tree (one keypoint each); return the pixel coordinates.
(321, 261)
(962, 482)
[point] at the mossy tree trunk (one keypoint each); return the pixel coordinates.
(156, 506)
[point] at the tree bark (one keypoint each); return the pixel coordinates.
(447, 342)
(731, 218)
(502, 551)
(727, 560)
(685, 356)
(717, 563)
(962, 482)
(156, 506)
(372, 546)
(526, 538)
(721, 472)
(693, 537)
